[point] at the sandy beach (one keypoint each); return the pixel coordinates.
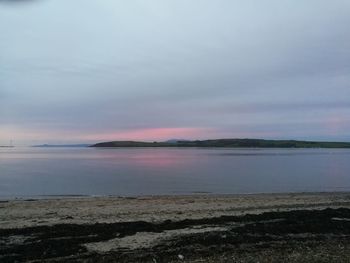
(295, 227)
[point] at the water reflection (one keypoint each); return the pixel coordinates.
(139, 171)
(158, 159)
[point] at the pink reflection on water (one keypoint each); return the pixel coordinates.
(153, 158)
(149, 158)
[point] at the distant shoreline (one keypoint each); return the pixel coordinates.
(225, 143)
(61, 145)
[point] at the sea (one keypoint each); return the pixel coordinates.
(27, 172)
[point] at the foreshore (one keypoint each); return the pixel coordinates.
(294, 227)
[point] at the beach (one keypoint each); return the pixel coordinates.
(294, 227)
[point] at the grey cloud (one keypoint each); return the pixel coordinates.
(140, 65)
(281, 107)
(17, 2)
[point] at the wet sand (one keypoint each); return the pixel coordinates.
(303, 227)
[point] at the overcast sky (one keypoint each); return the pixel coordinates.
(92, 70)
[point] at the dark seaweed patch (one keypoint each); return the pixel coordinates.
(65, 241)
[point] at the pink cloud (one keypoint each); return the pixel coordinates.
(150, 134)
(337, 124)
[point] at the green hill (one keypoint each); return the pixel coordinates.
(234, 143)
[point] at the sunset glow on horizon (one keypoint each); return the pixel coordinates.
(156, 134)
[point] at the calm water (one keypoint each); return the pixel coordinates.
(144, 171)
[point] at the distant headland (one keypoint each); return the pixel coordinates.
(229, 143)
(60, 145)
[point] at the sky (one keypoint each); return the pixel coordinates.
(91, 70)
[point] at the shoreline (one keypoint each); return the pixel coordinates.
(48, 210)
(7, 198)
(190, 228)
